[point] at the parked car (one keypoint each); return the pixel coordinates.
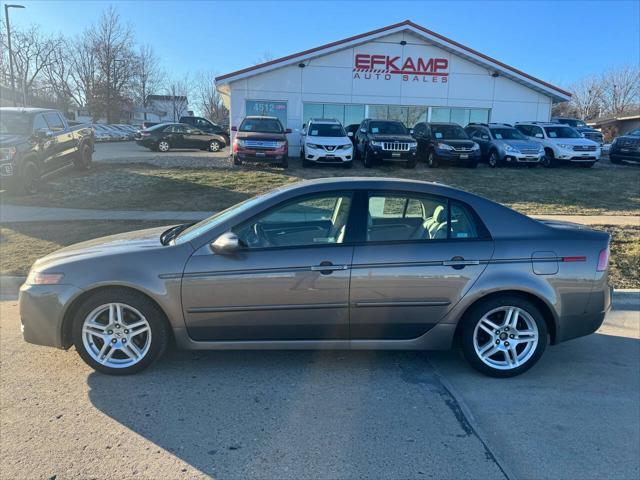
(385, 140)
(146, 124)
(127, 132)
(561, 143)
(352, 130)
(165, 136)
(103, 134)
(342, 263)
(325, 141)
(626, 148)
(446, 142)
(208, 126)
(116, 133)
(261, 139)
(587, 131)
(501, 144)
(37, 141)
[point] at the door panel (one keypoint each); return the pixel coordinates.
(401, 290)
(268, 294)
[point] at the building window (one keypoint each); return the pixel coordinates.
(268, 108)
(461, 116)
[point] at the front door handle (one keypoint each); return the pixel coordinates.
(326, 268)
(459, 263)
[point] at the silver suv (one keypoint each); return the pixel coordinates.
(561, 143)
(501, 144)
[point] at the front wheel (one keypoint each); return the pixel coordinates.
(285, 162)
(84, 158)
(494, 160)
(119, 332)
(214, 146)
(432, 160)
(163, 146)
(367, 160)
(548, 160)
(503, 336)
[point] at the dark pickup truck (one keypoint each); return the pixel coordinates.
(35, 142)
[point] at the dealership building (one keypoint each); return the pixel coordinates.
(400, 72)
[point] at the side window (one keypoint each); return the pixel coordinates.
(54, 121)
(317, 220)
(483, 133)
(535, 131)
(401, 218)
(471, 131)
(524, 129)
(39, 123)
(463, 224)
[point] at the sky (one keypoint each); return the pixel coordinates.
(557, 41)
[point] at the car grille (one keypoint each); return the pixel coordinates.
(6, 170)
(330, 148)
(584, 148)
(529, 151)
(462, 149)
(395, 146)
(628, 143)
(260, 144)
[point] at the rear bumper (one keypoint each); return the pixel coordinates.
(574, 326)
(42, 309)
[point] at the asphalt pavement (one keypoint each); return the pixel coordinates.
(324, 414)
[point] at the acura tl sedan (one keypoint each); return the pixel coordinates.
(349, 263)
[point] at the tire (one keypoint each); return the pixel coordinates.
(494, 160)
(491, 315)
(84, 158)
(432, 159)
(367, 160)
(548, 161)
(214, 146)
(28, 182)
(100, 310)
(163, 146)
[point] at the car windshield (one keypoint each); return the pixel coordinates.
(205, 225)
(450, 132)
(388, 128)
(561, 132)
(507, 134)
(14, 123)
(326, 130)
(262, 125)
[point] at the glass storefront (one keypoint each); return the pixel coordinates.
(268, 108)
(348, 114)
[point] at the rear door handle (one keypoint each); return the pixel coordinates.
(459, 263)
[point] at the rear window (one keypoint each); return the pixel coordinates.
(262, 125)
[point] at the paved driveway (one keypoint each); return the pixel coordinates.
(324, 414)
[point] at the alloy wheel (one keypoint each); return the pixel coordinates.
(163, 146)
(505, 338)
(116, 335)
(214, 146)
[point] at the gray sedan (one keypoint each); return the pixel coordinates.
(344, 263)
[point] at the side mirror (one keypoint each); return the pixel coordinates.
(349, 134)
(363, 130)
(539, 135)
(234, 129)
(226, 244)
(288, 130)
(485, 137)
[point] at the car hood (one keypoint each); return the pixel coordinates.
(392, 138)
(456, 143)
(261, 136)
(573, 141)
(328, 140)
(520, 144)
(127, 242)
(7, 140)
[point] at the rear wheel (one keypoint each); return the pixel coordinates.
(119, 332)
(503, 336)
(84, 158)
(163, 146)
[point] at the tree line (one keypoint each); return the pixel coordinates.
(102, 70)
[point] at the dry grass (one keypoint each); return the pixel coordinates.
(625, 255)
(600, 191)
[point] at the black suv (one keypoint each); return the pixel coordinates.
(207, 126)
(583, 128)
(439, 142)
(626, 148)
(378, 140)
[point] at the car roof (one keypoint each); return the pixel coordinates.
(29, 110)
(329, 121)
(261, 117)
(443, 123)
(542, 124)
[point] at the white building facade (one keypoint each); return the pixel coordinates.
(400, 72)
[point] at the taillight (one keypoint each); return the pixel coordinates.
(144, 134)
(603, 260)
(235, 145)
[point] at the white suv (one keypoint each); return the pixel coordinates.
(325, 141)
(561, 143)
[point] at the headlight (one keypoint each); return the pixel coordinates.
(6, 154)
(346, 146)
(240, 142)
(510, 148)
(281, 144)
(376, 144)
(39, 278)
(475, 147)
(444, 146)
(565, 146)
(313, 145)
(412, 144)
(540, 149)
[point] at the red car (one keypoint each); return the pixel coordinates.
(261, 139)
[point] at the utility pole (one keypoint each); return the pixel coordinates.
(13, 81)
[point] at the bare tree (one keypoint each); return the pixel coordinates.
(586, 97)
(621, 89)
(208, 99)
(178, 96)
(148, 76)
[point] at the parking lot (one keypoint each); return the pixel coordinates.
(325, 414)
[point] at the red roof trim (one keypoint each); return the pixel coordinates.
(384, 29)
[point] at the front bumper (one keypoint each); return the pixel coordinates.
(262, 155)
(511, 157)
(628, 156)
(574, 156)
(42, 309)
(472, 156)
(323, 156)
(393, 156)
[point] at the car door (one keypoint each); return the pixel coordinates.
(62, 141)
(175, 135)
(289, 281)
(421, 254)
(196, 138)
(46, 142)
(482, 138)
